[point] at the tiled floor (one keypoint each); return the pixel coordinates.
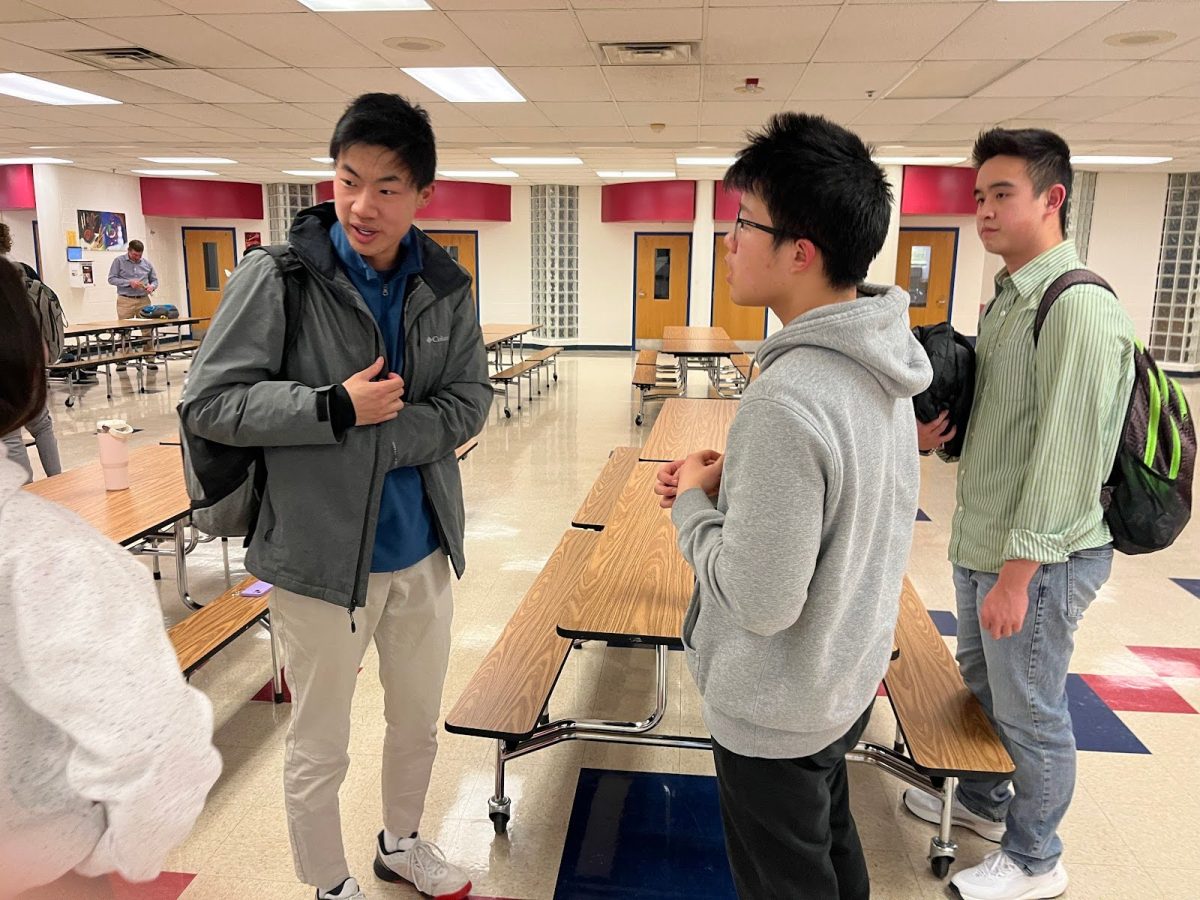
(582, 825)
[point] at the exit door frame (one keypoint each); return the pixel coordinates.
(633, 294)
(183, 230)
(953, 263)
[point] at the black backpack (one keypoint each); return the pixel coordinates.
(226, 483)
(47, 308)
(1147, 497)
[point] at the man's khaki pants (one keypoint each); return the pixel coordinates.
(127, 307)
(408, 613)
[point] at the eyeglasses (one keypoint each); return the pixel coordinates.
(741, 223)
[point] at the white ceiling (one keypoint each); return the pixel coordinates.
(265, 80)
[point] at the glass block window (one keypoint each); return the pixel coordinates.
(1175, 325)
(1079, 213)
(555, 260)
(283, 202)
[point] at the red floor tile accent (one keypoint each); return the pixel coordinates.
(1137, 693)
(167, 886)
(881, 691)
(267, 691)
(1171, 662)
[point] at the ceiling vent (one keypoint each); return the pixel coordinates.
(123, 58)
(649, 54)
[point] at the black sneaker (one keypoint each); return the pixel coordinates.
(151, 367)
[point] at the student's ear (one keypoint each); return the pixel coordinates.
(425, 195)
(804, 255)
(1056, 196)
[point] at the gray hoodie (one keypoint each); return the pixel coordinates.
(799, 565)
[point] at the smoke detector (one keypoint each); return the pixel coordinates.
(648, 54)
(751, 86)
(414, 44)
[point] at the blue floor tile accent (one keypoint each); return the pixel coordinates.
(1096, 726)
(946, 622)
(1191, 585)
(652, 836)
(921, 516)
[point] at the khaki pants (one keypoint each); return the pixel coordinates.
(408, 614)
(127, 307)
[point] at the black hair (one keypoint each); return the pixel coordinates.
(137, 246)
(5, 239)
(22, 353)
(1047, 159)
(818, 182)
(388, 120)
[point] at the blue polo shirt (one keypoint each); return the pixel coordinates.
(405, 534)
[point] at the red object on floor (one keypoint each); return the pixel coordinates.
(1171, 662)
(881, 691)
(267, 691)
(1137, 693)
(167, 886)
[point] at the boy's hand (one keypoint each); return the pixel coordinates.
(375, 401)
(933, 435)
(702, 470)
(665, 485)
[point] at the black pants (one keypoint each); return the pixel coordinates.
(788, 829)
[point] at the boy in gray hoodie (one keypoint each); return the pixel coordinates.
(800, 534)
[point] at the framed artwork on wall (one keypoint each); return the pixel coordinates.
(102, 230)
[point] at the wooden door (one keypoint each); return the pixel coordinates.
(208, 255)
(741, 323)
(661, 283)
(925, 268)
(463, 247)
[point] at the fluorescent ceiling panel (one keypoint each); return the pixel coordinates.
(39, 91)
(467, 84)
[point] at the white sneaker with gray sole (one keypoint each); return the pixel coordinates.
(925, 806)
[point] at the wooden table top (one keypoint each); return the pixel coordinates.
(155, 498)
(494, 334)
(636, 584)
(701, 347)
(686, 425)
(694, 333)
(129, 324)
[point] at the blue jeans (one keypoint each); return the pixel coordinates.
(1022, 683)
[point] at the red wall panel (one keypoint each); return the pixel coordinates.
(187, 198)
(725, 203)
(461, 201)
(16, 187)
(648, 201)
(937, 191)
(324, 191)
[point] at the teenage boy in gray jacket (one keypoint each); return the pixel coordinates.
(800, 534)
(382, 376)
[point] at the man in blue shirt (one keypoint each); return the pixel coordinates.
(135, 280)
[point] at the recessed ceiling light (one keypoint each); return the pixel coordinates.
(189, 160)
(537, 160)
(364, 5)
(1119, 160)
(705, 160)
(632, 173)
(477, 173)
(328, 160)
(173, 173)
(310, 173)
(467, 84)
(918, 160)
(35, 161)
(40, 91)
(414, 44)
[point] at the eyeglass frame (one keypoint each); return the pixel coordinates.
(769, 229)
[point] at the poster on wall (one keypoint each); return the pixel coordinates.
(85, 269)
(102, 230)
(253, 239)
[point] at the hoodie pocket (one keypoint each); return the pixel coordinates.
(697, 661)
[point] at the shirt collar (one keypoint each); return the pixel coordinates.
(410, 255)
(1032, 278)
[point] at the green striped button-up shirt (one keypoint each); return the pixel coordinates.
(1044, 425)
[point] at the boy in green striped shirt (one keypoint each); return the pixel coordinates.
(1028, 542)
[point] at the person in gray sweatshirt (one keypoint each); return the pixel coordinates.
(800, 533)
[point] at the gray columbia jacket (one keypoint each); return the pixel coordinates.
(316, 529)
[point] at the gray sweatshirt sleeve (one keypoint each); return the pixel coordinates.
(756, 559)
(232, 394)
(427, 431)
(96, 662)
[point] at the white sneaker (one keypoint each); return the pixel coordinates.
(927, 807)
(999, 878)
(425, 867)
(347, 890)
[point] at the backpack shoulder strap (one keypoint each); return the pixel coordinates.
(1057, 286)
(294, 274)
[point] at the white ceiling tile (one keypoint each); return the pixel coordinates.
(952, 78)
(330, 112)
(567, 83)
(762, 34)
(1145, 79)
(19, 58)
(301, 39)
(201, 114)
(466, 133)
(20, 11)
(1078, 109)
(747, 113)
(614, 4)
(1091, 131)
(836, 110)
(1158, 110)
(986, 110)
(1188, 51)
(60, 34)
(667, 113)
(449, 115)
(776, 80)
(113, 85)
(359, 81)
(551, 37)
(199, 85)
(848, 80)
(319, 135)
(287, 84)
(523, 114)
(1018, 30)
(672, 134)
(506, 4)
(725, 134)
(619, 26)
(526, 135)
(262, 134)
(890, 32)
(132, 114)
(577, 115)
(189, 40)
(902, 112)
(216, 7)
(208, 135)
(664, 84)
(596, 133)
(1180, 17)
(372, 29)
(882, 134)
(1059, 76)
(956, 134)
(276, 115)
(73, 9)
